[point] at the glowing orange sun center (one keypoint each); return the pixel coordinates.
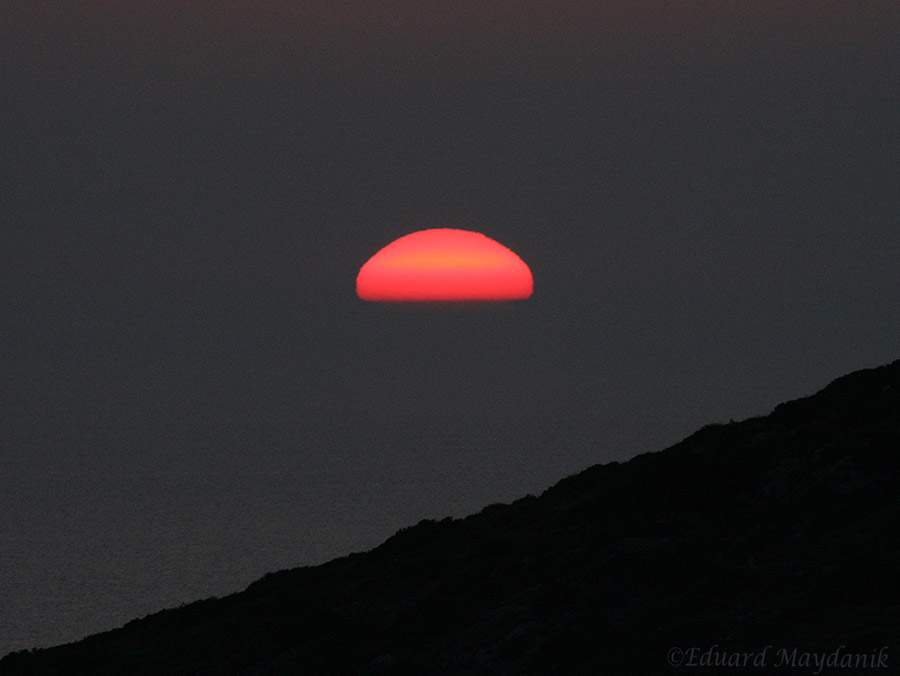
(444, 264)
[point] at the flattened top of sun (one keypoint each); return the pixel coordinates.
(444, 264)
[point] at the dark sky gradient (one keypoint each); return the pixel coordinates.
(706, 192)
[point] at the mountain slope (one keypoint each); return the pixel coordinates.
(778, 531)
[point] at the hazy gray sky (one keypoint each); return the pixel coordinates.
(705, 191)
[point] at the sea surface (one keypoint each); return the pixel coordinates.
(91, 544)
(154, 459)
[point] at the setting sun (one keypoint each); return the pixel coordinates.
(444, 264)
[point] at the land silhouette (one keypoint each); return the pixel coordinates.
(772, 541)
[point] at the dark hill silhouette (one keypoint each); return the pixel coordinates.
(776, 531)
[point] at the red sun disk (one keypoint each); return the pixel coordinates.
(444, 264)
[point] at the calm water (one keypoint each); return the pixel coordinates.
(95, 538)
(89, 545)
(148, 463)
